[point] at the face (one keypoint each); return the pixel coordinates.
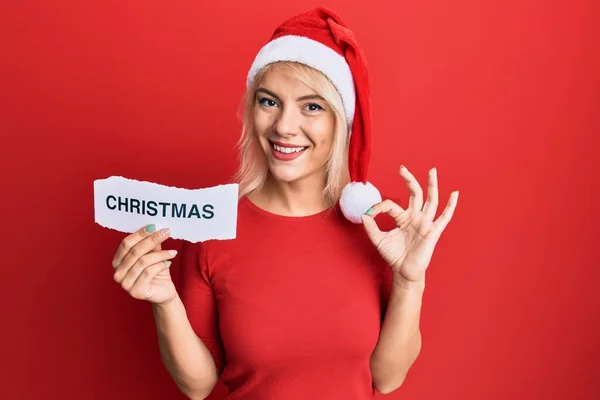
(294, 126)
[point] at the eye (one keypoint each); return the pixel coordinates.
(314, 107)
(267, 102)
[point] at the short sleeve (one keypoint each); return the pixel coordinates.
(198, 297)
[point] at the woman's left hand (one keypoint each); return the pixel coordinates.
(408, 248)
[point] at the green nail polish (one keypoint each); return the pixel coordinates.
(168, 262)
(151, 228)
(369, 211)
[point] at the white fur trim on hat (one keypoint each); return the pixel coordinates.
(314, 54)
(357, 198)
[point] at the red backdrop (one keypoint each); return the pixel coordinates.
(501, 98)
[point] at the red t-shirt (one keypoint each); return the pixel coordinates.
(291, 308)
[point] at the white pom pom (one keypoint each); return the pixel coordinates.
(357, 198)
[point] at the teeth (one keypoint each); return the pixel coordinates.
(288, 150)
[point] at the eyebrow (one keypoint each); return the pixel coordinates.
(307, 97)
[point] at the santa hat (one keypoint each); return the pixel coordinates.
(319, 39)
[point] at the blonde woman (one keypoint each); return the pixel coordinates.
(312, 300)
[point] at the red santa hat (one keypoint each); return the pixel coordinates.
(319, 39)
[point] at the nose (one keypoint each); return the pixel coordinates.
(287, 123)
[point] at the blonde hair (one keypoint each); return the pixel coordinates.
(253, 170)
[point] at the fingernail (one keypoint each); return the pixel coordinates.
(168, 262)
(172, 252)
(150, 228)
(164, 232)
(402, 166)
(369, 211)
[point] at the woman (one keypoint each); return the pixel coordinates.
(311, 300)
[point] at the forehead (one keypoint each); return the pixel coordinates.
(281, 78)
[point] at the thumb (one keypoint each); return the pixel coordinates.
(372, 229)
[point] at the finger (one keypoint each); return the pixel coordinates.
(416, 193)
(441, 223)
(431, 204)
(129, 241)
(140, 249)
(141, 264)
(139, 290)
(373, 231)
(387, 207)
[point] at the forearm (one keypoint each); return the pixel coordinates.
(183, 353)
(400, 337)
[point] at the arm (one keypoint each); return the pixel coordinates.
(399, 342)
(407, 249)
(185, 356)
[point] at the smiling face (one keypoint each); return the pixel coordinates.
(294, 127)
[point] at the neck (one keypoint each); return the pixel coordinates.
(296, 199)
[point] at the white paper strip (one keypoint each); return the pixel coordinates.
(194, 215)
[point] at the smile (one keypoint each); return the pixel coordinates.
(287, 152)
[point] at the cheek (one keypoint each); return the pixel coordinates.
(262, 122)
(262, 130)
(323, 135)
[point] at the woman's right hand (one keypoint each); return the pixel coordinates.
(141, 267)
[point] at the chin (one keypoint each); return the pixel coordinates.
(287, 175)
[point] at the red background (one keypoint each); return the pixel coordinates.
(502, 98)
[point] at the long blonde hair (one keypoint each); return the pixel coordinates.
(253, 170)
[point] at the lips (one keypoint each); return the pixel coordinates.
(286, 152)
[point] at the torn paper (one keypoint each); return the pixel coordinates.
(192, 214)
